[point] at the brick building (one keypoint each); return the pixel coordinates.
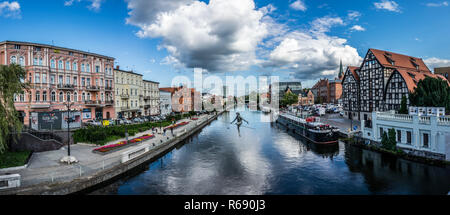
(58, 75)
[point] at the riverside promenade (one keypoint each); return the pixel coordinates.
(46, 175)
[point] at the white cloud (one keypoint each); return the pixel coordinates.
(10, 9)
(220, 35)
(353, 15)
(387, 5)
(357, 28)
(312, 54)
(93, 4)
(441, 4)
(434, 62)
(298, 5)
(324, 24)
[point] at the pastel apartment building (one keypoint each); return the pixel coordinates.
(58, 75)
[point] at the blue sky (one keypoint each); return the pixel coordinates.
(298, 39)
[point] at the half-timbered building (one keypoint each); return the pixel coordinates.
(350, 93)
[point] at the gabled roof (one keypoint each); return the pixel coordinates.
(353, 71)
(412, 78)
(400, 61)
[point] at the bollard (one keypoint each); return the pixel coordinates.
(103, 164)
(52, 176)
(80, 171)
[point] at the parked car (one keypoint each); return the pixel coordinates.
(93, 123)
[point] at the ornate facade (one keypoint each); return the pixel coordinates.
(59, 75)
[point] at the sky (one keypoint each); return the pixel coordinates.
(297, 40)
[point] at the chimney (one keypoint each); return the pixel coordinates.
(117, 67)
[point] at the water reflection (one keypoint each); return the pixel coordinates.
(269, 160)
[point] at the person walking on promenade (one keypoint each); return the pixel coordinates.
(171, 130)
(164, 132)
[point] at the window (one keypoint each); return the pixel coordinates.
(35, 61)
(381, 132)
(44, 96)
(67, 65)
(88, 81)
(88, 69)
(40, 61)
(38, 95)
(37, 79)
(52, 63)
(425, 140)
(53, 96)
(97, 69)
(408, 137)
(68, 96)
(16, 46)
(89, 96)
(83, 82)
(82, 67)
(13, 59)
(399, 136)
(75, 81)
(75, 67)
(83, 97)
(60, 79)
(61, 97)
(44, 78)
(67, 79)
(60, 64)
(75, 97)
(21, 61)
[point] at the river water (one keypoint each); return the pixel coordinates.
(263, 158)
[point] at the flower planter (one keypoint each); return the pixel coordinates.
(121, 145)
(177, 125)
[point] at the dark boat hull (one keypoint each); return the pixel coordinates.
(318, 138)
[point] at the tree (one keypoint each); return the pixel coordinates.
(288, 99)
(10, 85)
(403, 106)
(431, 92)
(388, 140)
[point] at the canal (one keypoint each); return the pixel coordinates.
(263, 158)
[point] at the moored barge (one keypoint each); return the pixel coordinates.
(311, 130)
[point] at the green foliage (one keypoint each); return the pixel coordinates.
(403, 106)
(101, 135)
(288, 99)
(10, 85)
(431, 92)
(13, 159)
(388, 141)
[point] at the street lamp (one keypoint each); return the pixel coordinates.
(68, 159)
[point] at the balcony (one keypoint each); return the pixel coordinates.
(109, 89)
(40, 106)
(124, 96)
(92, 88)
(129, 108)
(66, 86)
(93, 103)
(146, 97)
(109, 103)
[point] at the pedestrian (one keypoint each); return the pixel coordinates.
(171, 130)
(164, 132)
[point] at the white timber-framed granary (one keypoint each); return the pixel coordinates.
(384, 78)
(350, 93)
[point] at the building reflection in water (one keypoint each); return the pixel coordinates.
(386, 173)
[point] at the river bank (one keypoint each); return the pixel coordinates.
(100, 171)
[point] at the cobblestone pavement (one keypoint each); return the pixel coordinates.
(342, 123)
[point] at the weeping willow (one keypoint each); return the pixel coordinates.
(10, 85)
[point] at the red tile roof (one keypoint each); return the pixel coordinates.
(413, 77)
(353, 71)
(400, 60)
